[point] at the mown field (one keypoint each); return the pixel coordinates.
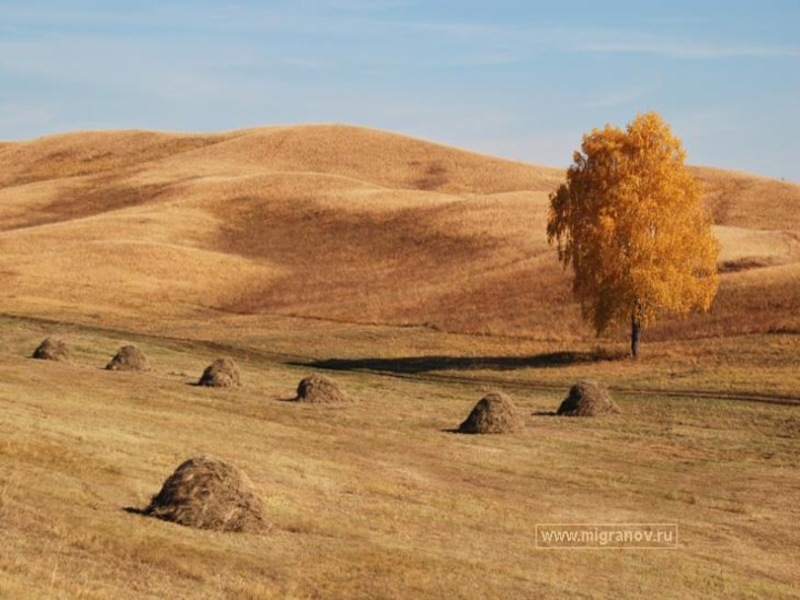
(420, 278)
(375, 498)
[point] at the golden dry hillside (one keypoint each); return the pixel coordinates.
(337, 223)
(293, 250)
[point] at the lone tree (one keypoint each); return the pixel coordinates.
(630, 223)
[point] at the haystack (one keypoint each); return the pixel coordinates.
(208, 493)
(588, 399)
(495, 413)
(223, 372)
(52, 349)
(319, 389)
(129, 358)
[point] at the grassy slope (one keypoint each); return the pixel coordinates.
(194, 246)
(339, 223)
(374, 499)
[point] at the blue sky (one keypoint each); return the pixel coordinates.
(516, 79)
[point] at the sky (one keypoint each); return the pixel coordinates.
(511, 78)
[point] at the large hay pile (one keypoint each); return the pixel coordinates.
(52, 349)
(495, 413)
(588, 399)
(129, 358)
(319, 389)
(223, 372)
(208, 493)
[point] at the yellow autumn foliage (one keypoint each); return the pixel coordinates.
(630, 223)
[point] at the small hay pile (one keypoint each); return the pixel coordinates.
(495, 413)
(52, 349)
(588, 399)
(223, 372)
(208, 493)
(129, 358)
(319, 389)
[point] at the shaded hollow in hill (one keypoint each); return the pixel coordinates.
(223, 372)
(52, 349)
(315, 241)
(494, 413)
(588, 398)
(208, 493)
(129, 358)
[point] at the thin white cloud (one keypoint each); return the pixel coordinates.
(310, 64)
(370, 5)
(364, 18)
(621, 97)
(126, 66)
(682, 48)
(600, 40)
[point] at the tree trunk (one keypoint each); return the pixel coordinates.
(636, 335)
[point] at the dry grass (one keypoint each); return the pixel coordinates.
(588, 398)
(52, 349)
(208, 493)
(319, 389)
(749, 201)
(339, 223)
(423, 274)
(129, 358)
(375, 500)
(494, 413)
(223, 372)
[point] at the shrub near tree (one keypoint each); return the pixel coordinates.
(630, 223)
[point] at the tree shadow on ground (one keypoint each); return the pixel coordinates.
(423, 364)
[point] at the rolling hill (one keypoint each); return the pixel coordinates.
(337, 223)
(300, 249)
